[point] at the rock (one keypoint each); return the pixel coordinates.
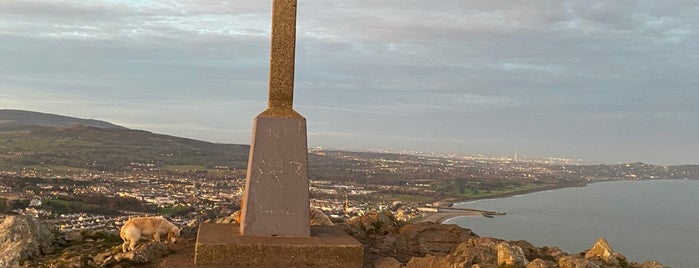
(531, 252)
(539, 263)
(576, 262)
(650, 264)
(144, 253)
(511, 255)
(319, 218)
(388, 263)
(233, 218)
(23, 237)
(374, 223)
(554, 253)
(412, 240)
(104, 259)
(424, 238)
(189, 230)
(426, 262)
(475, 251)
(602, 251)
(484, 265)
(73, 236)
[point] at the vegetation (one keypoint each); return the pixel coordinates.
(96, 204)
(175, 211)
(80, 148)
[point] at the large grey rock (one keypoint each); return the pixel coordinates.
(511, 255)
(23, 237)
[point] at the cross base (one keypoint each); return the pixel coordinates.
(222, 245)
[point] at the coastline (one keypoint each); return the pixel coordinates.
(443, 216)
(448, 213)
(521, 192)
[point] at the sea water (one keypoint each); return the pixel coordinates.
(644, 220)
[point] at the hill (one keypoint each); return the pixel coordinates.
(46, 141)
(18, 118)
(109, 149)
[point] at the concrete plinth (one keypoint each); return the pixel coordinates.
(222, 245)
(275, 202)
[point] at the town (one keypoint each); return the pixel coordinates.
(343, 184)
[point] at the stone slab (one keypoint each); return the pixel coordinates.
(221, 245)
(275, 201)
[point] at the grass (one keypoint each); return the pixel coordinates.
(407, 198)
(176, 210)
(481, 193)
(113, 150)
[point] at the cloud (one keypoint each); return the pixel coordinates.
(555, 74)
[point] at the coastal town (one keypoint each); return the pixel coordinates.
(343, 184)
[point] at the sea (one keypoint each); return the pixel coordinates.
(644, 220)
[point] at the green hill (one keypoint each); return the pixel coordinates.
(110, 149)
(19, 118)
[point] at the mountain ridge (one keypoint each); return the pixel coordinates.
(41, 139)
(20, 118)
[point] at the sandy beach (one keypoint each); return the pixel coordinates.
(446, 213)
(441, 217)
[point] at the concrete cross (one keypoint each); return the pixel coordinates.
(282, 59)
(274, 228)
(275, 202)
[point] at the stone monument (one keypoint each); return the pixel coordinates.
(275, 228)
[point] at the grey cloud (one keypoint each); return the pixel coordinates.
(553, 77)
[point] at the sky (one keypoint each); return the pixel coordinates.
(603, 81)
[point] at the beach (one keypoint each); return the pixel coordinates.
(446, 213)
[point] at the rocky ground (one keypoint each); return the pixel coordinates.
(388, 243)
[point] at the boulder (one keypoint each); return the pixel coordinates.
(388, 263)
(539, 263)
(576, 262)
(531, 252)
(144, 253)
(23, 237)
(426, 262)
(511, 255)
(73, 236)
(374, 223)
(602, 251)
(421, 239)
(319, 218)
(552, 253)
(476, 251)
